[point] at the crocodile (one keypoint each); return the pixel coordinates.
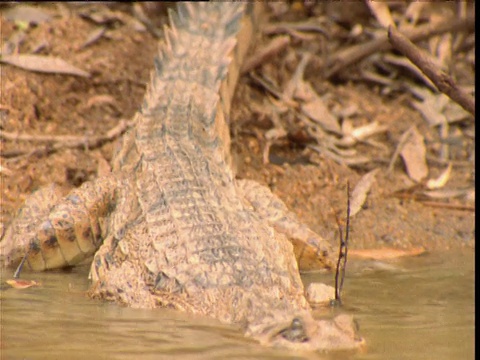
(171, 226)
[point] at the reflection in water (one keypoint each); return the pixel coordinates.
(421, 308)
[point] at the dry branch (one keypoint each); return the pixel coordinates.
(423, 60)
(450, 206)
(62, 141)
(353, 54)
(270, 50)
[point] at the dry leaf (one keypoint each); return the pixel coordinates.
(377, 78)
(275, 134)
(454, 112)
(441, 180)
(413, 155)
(381, 12)
(470, 195)
(385, 253)
(22, 284)
(347, 111)
(103, 166)
(446, 193)
(444, 50)
(319, 113)
(314, 106)
(304, 91)
(95, 35)
(419, 92)
(263, 55)
(13, 43)
(429, 112)
(356, 31)
(105, 16)
(27, 14)
(401, 143)
(359, 194)
(44, 64)
(5, 171)
(361, 133)
(100, 100)
(297, 81)
(433, 107)
(349, 161)
(406, 63)
(414, 10)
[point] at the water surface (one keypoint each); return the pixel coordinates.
(420, 308)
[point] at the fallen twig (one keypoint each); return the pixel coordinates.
(140, 15)
(403, 140)
(271, 49)
(94, 36)
(401, 61)
(441, 79)
(273, 90)
(421, 197)
(296, 29)
(282, 27)
(16, 275)
(447, 205)
(63, 141)
(353, 54)
(342, 253)
(297, 77)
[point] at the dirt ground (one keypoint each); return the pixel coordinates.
(312, 184)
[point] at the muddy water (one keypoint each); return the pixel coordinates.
(422, 308)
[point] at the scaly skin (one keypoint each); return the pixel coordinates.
(178, 230)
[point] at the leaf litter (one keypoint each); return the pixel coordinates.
(336, 136)
(22, 284)
(353, 140)
(413, 154)
(43, 64)
(27, 14)
(360, 191)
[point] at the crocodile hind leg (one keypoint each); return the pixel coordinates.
(52, 231)
(24, 225)
(311, 250)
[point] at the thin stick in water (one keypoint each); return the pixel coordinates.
(342, 253)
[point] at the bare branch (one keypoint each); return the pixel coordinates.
(356, 53)
(62, 141)
(423, 60)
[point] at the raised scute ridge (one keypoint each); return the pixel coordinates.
(178, 229)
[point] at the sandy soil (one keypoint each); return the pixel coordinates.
(312, 185)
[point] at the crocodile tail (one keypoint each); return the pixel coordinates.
(196, 71)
